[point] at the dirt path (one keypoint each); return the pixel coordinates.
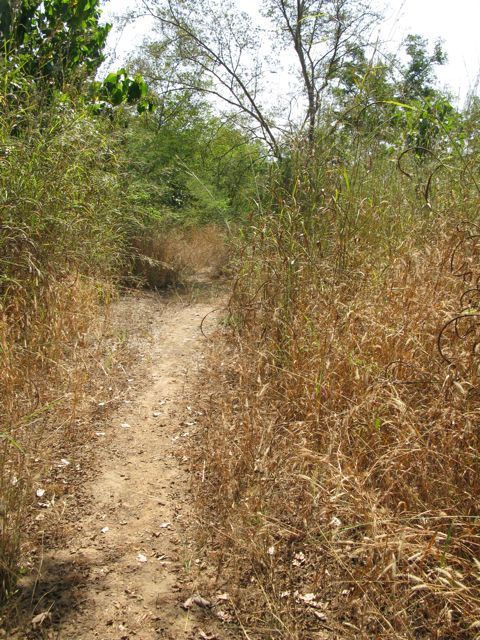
(127, 566)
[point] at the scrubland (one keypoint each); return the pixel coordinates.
(61, 235)
(337, 468)
(76, 228)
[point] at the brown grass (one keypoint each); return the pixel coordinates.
(49, 386)
(340, 465)
(172, 256)
(63, 231)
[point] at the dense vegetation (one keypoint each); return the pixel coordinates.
(90, 170)
(341, 461)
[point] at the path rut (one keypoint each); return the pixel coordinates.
(128, 560)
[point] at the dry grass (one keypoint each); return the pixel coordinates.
(170, 257)
(341, 467)
(47, 391)
(62, 237)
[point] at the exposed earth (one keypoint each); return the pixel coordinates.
(126, 568)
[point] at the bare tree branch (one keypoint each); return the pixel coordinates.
(213, 44)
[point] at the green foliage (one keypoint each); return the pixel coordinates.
(55, 41)
(61, 197)
(118, 88)
(58, 45)
(396, 109)
(431, 124)
(187, 165)
(471, 124)
(419, 74)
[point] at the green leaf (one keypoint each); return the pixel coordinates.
(10, 440)
(117, 97)
(112, 78)
(134, 92)
(400, 104)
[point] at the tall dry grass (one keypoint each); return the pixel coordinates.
(172, 256)
(339, 472)
(62, 236)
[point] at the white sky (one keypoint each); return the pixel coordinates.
(456, 23)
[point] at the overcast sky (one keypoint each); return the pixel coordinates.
(456, 23)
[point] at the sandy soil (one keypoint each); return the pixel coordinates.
(126, 565)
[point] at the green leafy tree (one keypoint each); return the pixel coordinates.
(432, 118)
(419, 74)
(365, 96)
(188, 161)
(189, 165)
(55, 41)
(397, 103)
